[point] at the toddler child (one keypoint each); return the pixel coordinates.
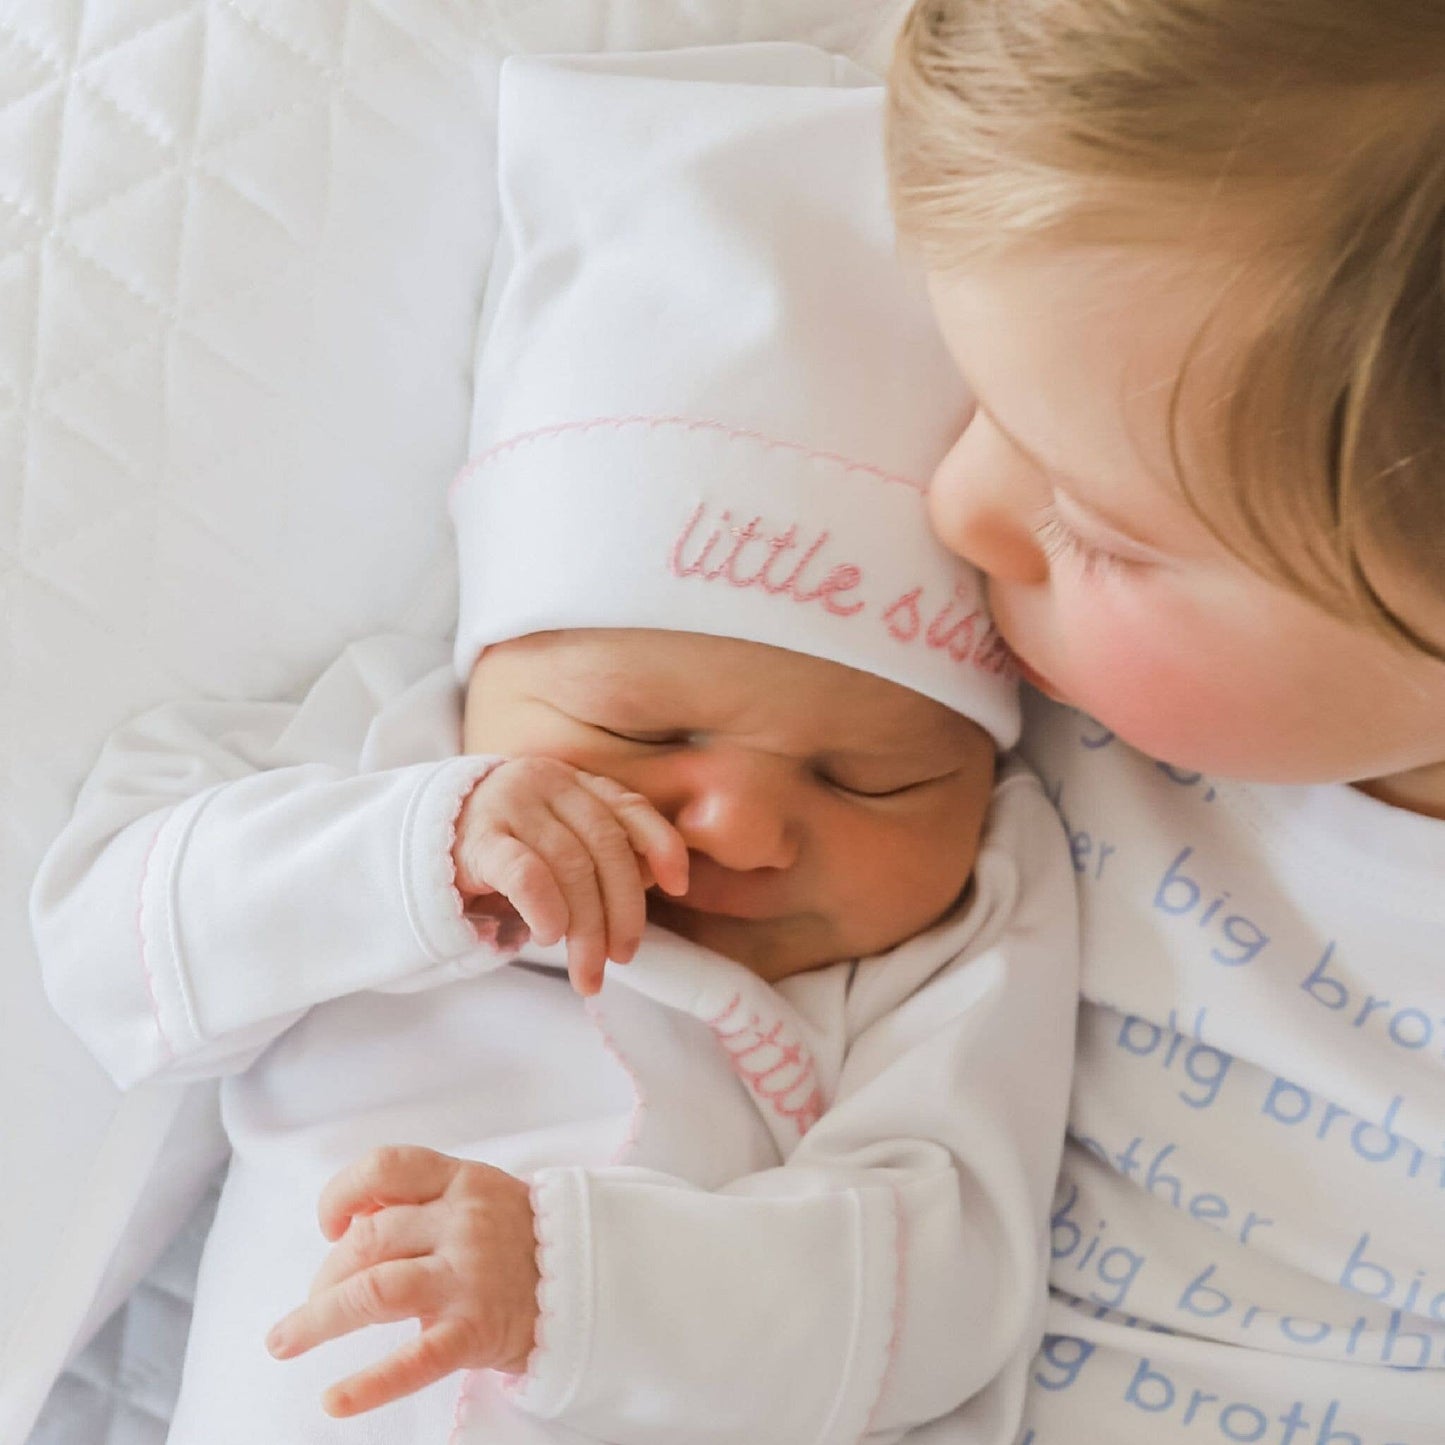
(1191, 259)
(783, 1177)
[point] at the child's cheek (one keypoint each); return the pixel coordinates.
(1163, 696)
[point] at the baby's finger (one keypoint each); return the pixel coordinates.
(615, 866)
(531, 855)
(399, 1289)
(652, 837)
(575, 873)
(392, 1174)
(527, 882)
(403, 1231)
(432, 1356)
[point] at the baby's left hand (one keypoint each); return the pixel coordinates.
(425, 1236)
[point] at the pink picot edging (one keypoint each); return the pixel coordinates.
(466, 1398)
(513, 1385)
(776, 1067)
(639, 1098)
(510, 1386)
(679, 423)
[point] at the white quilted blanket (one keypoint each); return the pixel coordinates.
(242, 246)
(122, 1387)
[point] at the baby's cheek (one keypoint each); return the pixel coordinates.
(898, 881)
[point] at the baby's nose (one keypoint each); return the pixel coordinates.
(736, 812)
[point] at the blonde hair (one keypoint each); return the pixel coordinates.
(1305, 140)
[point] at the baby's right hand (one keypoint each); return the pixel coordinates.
(572, 853)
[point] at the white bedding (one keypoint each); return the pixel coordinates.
(121, 1388)
(242, 247)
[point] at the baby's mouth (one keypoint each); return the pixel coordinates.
(662, 904)
(749, 897)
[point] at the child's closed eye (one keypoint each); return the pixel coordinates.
(1061, 542)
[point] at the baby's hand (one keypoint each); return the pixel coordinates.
(422, 1236)
(572, 853)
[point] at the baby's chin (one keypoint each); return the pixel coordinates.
(772, 948)
(778, 948)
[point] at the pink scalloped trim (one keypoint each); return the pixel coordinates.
(513, 1385)
(465, 1400)
(785, 1077)
(681, 423)
(145, 967)
(639, 1097)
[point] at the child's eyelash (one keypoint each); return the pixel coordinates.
(1059, 542)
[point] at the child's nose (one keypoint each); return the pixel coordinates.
(979, 508)
(735, 810)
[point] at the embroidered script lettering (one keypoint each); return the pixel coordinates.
(793, 578)
(797, 567)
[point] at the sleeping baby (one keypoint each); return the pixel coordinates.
(664, 1002)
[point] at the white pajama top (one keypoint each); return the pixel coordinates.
(810, 1213)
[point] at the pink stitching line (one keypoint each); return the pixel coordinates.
(899, 1284)
(145, 967)
(792, 1059)
(684, 423)
(639, 1097)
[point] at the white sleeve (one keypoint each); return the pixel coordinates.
(891, 1269)
(228, 865)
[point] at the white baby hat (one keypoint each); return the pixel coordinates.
(709, 395)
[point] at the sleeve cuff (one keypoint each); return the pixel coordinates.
(564, 1317)
(433, 905)
(644, 1282)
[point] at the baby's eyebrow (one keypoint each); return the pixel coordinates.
(609, 687)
